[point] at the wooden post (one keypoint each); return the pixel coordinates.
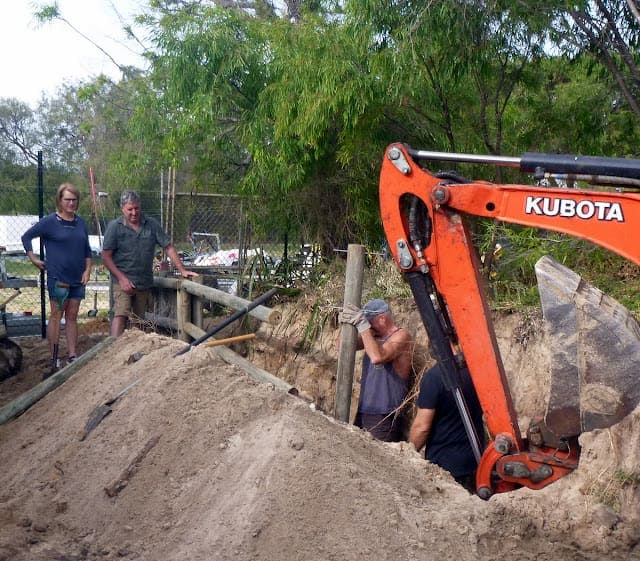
(196, 305)
(183, 312)
(262, 313)
(348, 333)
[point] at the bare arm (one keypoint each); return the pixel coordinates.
(397, 349)
(421, 428)
(86, 275)
(107, 259)
(36, 262)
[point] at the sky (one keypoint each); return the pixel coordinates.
(40, 58)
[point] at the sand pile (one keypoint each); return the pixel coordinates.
(197, 461)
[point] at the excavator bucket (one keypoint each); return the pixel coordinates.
(595, 353)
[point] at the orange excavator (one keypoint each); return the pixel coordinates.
(426, 218)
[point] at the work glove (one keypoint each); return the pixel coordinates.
(354, 316)
(61, 293)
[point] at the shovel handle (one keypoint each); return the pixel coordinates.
(230, 340)
(233, 317)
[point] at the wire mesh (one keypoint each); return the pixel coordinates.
(212, 233)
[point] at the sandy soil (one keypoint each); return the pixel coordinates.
(198, 461)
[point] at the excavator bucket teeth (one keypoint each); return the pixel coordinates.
(595, 353)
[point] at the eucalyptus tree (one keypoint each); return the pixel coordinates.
(86, 124)
(296, 107)
(55, 126)
(22, 136)
(608, 31)
(18, 131)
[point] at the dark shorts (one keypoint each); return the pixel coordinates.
(388, 428)
(75, 292)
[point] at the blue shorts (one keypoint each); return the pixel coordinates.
(75, 292)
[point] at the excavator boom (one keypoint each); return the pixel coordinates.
(425, 217)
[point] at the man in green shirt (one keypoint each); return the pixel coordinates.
(128, 249)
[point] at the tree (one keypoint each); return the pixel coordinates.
(18, 131)
(22, 136)
(609, 32)
(293, 105)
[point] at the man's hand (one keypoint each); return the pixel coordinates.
(354, 316)
(126, 285)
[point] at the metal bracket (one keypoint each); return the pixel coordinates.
(405, 260)
(399, 161)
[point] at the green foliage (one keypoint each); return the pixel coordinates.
(628, 478)
(612, 489)
(572, 112)
(387, 281)
(316, 105)
(317, 324)
(512, 281)
(303, 268)
(295, 111)
(207, 71)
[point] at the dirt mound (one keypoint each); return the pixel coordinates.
(197, 461)
(36, 357)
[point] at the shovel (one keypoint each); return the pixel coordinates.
(100, 412)
(61, 293)
(94, 311)
(233, 317)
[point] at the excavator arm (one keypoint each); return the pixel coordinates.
(425, 217)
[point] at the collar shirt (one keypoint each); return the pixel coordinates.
(133, 251)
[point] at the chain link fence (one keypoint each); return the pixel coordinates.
(21, 288)
(212, 233)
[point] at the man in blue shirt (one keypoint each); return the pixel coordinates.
(127, 251)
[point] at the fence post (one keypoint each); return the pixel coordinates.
(183, 312)
(43, 293)
(348, 333)
(196, 304)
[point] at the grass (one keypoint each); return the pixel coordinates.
(20, 267)
(29, 301)
(512, 280)
(610, 491)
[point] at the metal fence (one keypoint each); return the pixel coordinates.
(211, 232)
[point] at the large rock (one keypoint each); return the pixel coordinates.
(10, 358)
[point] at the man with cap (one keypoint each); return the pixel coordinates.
(386, 369)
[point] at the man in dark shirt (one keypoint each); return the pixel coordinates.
(386, 369)
(439, 426)
(127, 251)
